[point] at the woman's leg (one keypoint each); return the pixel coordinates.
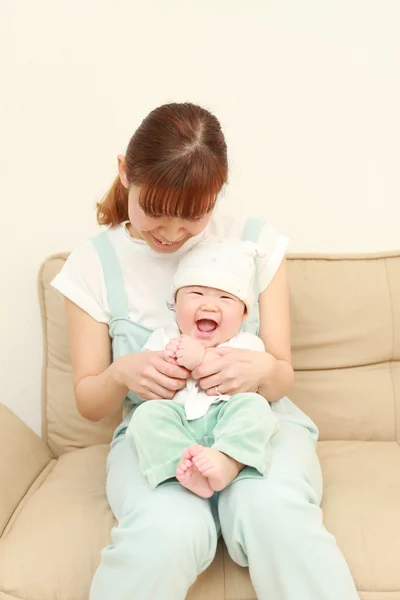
(274, 526)
(164, 538)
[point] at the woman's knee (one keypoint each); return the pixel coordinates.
(177, 529)
(278, 509)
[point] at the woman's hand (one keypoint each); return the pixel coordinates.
(235, 371)
(150, 375)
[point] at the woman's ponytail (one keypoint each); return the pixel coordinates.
(113, 209)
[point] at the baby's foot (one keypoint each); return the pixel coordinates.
(219, 468)
(192, 479)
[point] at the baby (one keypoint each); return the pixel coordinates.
(206, 442)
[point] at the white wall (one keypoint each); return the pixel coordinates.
(308, 93)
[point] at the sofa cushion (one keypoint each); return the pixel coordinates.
(345, 314)
(362, 509)
(23, 458)
(63, 428)
(52, 548)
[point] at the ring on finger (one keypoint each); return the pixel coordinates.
(217, 391)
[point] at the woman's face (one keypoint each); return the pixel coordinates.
(163, 234)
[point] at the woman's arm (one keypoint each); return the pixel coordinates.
(275, 333)
(98, 392)
(101, 386)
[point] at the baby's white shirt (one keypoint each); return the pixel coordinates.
(194, 399)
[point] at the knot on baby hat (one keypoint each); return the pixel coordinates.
(227, 265)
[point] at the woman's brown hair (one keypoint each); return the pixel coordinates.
(178, 156)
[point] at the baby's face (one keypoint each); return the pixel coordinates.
(209, 315)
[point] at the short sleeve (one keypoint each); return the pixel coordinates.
(160, 338)
(81, 280)
(275, 246)
(156, 341)
(248, 341)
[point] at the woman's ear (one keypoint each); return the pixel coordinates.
(122, 171)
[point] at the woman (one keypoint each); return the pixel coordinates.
(117, 286)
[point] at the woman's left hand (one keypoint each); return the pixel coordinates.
(236, 371)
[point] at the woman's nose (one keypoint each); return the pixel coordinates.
(171, 233)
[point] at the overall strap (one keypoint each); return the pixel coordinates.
(113, 276)
(251, 233)
(252, 229)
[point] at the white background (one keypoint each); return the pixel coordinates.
(308, 94)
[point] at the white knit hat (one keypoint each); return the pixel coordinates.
(227, 265)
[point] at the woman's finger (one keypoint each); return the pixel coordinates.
(224, 350)
(169, 383)
(206, 369)
(207, 383)
(157, 392)
(172, 371)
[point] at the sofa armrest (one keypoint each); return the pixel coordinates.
(23, 456)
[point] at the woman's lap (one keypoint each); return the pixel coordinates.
(293, 463)
(272, 524)
(128, 489)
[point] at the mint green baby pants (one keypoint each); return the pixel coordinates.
(241, 427)
(167, 536)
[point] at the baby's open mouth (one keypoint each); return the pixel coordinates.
(206, 325)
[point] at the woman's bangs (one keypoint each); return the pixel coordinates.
(190, 201)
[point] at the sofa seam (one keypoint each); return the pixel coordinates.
(42, 301)
(18, 597)
(392, 357)
(52, 460)
(349, 256)
(345, 367)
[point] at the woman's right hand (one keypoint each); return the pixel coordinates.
(150, 375)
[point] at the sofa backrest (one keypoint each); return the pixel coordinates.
(345, 313)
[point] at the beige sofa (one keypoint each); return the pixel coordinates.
(54, 517)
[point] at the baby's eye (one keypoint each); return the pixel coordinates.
(197, 293)
(227, 297)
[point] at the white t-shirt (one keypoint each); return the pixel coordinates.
(148, 274)
(194, 399)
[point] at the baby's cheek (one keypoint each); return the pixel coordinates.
(185, 322)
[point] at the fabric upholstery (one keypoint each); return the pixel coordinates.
(53, 547)
(345, 314)
(23, 456)
(63, 428)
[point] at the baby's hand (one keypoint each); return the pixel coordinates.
(171, 350)
(190, 352)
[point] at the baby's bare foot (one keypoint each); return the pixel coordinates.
(219, 468)
(192, 479)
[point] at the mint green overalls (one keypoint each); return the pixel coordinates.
(167, 536)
